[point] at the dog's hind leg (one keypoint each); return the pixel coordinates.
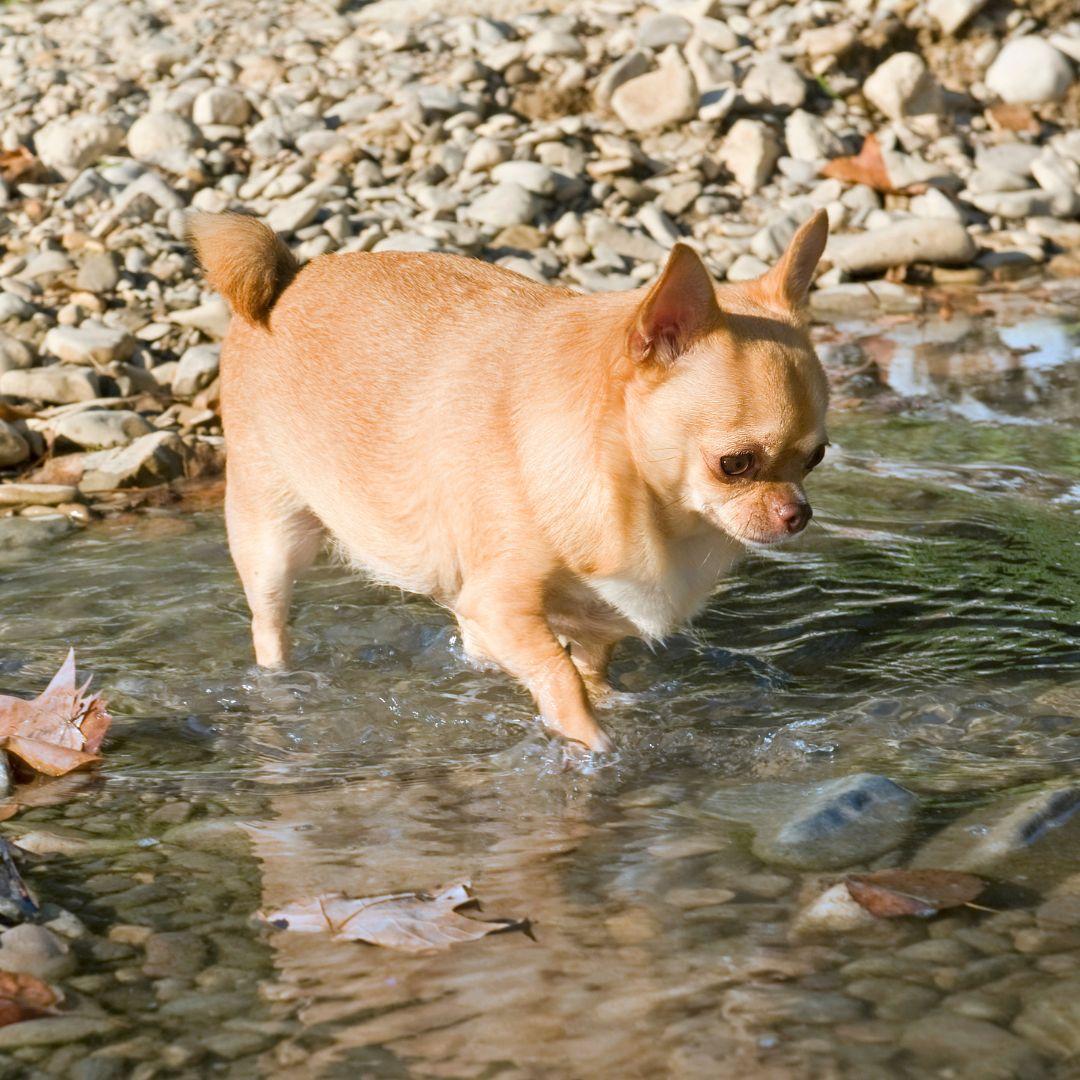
(273, 538)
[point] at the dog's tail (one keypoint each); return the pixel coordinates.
(245, 260)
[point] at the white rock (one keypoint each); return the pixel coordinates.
(659, 31)
(221, 105)
(211, 317)
(530, 175)
(935, 204)
(601, 231)
(198, 367)
(57, 384)
(903, 86)
(101, 429)
(13, 447)
(74, 142)
(289, 216)
(502, 206)
(668, 95)
(554, 43)
(833, 912)
(1029, 70)
(1015, 204)
(745, 268)
(808, 139)
(623, 70)
(914, 240)
(16, 494)
(773, 83)
(151, 459)
(749, 152)
(1055, 173)
(950, 15)
(90, 343)
(160, 133)
(485, 154)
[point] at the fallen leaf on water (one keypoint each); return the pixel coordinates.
(24, 997)
(60, 730)
(866, 167)
(892, 893)
(412, 921)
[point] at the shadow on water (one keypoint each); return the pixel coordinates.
(926, 629)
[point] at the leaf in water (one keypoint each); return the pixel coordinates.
(866, 167)
(892, 893)
(24, 997)
(411, 922)
(60, 730)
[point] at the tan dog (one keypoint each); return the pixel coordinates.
(552, 467)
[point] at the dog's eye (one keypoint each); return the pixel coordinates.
(815, 458)
(737, 464)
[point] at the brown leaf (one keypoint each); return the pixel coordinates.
(866, 167)
(411, 922)
(60, 730)
(892, 893)
(24, 997)
(1016, 118)
(19, 166)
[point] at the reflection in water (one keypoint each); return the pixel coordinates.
(925, 628)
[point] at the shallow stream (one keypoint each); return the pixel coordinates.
(927, 628)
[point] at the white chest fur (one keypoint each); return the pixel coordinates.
(658, 603)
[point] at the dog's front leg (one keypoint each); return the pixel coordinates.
(517, 637)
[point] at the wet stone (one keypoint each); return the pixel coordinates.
(840, 823)
(975, 1047)
(774, 1005)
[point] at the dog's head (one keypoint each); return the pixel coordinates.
(727, 402)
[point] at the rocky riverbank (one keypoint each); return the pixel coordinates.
(573, 144)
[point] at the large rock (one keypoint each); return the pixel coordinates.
(14, 449)
(774, 84)
(59, 384)
(842, 822)
(950, 15)
(221, 105)
(151, 459)
(922, 240)
(71, 143)
(666, 96)
(35, 950)
(91, 343)
(198, 367)
(808, 138)
(504, 205)
(101, 429)
(1029, 70)
(903, 86)
(19, 535)
(157, 136)
(749, 153)
(625, 242)
(210, 318)
(17, 494)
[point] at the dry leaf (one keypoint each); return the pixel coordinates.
(60, 730)
(24, 997)
(1016, 118)
(892, 893)
(412, 922)
(866, 167)
(19, 166)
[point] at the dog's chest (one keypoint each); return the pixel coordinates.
(659, 603)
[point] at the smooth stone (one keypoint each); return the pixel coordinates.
(947, 1039)
(35, 950)
(22, 494)
(221, 105)
(210, 318)
(97, 273)
(627, 67)
(90, 343)
(839, 823)
(294, 214)
(660, 98)
(52, 1030)
(58, 384)
(746, 267)
(160, 133)
(504, 205)
(531, 175)
(14, 307)
(14, 353)
(176, 953)
(151, 459)
(1055, 173)
(1050, 1019)
(548, 42)
(774, 84)
(903, 86)
(934, 203)
(833, 912)
(950, 15)
(198, 367)
(22, 533)
(45, 267)
(14, 449)
(901, 243)
(630, 244)
(854, 298)
(659, 31)
(1029, 70)
(1015, 204)
(101, 429)
(768, 1006)
(808, 138)
(749, 152)
(72, 143)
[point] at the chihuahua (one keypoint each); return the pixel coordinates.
(561, 471)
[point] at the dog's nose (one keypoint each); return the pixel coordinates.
(793, 515)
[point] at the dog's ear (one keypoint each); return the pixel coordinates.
(787, 284)
(681, 305)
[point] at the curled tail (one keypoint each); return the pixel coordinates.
(244, 260)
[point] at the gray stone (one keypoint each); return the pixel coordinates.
(14, 353)
(198, 367)
(211, 318)
(903, 242)
(808, 138)
(14, 307)
(1009, 833)
(221, 105)
(601, 231)
(1029, 70)
(774, 84)
(35, 950)
(1015, 204)
(71, 143)
(548, 42)
(746, 267)
(749, 153)
(151, 459)
(1051, 1019)
(659, 31)
(101, 429)
(934, 203)
(663, 97)
(903, 86)
(289, 216)
(531, 175)
(841, 822)
(53, 1030)
(1055, 173)
(177, 953)
(14, 449)
(90, 343)
(974, 1047)
(162, 133)
(503, 206)
(59, 384)
(98, 273)
(854, 298)
(770, 1006)
(19, 534)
